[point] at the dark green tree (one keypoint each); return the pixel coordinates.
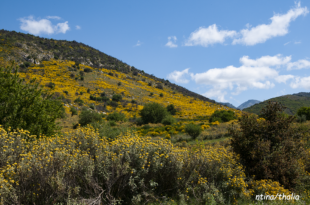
(269, 148)
(153, 113)
(24, 106)
(304, 111)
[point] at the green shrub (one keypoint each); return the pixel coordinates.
(116, 116)
(161, 95)
(82, 78)
(171, 109)
(193, 130)
(73, 111)
(87, 70)
(301, 118)
(92, 106)
(99, 99)
(112, 123)
(88, 116)
(269, 147)
(116, 98)
(304, 111)
(222, 116)
(66, 92)
(25, 106)
(168, 120)
(50, 85)
(88, 90)
(153, 113)
(119, 83)
(79, 101)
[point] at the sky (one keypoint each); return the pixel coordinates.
(228, 51)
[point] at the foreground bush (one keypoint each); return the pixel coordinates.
(269, 147)
(83, 166)
(25, 106)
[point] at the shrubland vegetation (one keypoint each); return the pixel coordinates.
(120, 145)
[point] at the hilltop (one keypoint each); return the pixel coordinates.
(247, 104)
(292, 102)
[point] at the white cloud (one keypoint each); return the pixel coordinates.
(276, 60)
(216, 93)
(283, 78)
(171, 42)
(300, 64)
(278, 27)
(287, 43)
(138, 43)
(53, 17)
(301, 82)
(179, 76)
(297, 42)
(208, 36)
(36, 27)
(78, 27)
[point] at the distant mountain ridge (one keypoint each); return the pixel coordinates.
(248, 103)
(228, 105)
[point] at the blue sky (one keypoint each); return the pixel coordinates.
(229, 51)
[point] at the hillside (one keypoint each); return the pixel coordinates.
(247, 104)
(292, 102)
(228, 105)
(94, 75)
(32, 49)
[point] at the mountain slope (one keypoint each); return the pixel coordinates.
(95, 86)
(247, 104)
(292, 102)
(28, 48)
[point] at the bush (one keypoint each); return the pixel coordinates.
(193, 130)
(89, 116)
(222, 116)
(87, 70)
(115, 116)
(82, 78)
(161, 95)
(119, 83)
(66, 92)
(117, 98)
(168, 120)
(159, 86)
(73, 111)
(301, 118)
(151, 94)
(79, 101)
(112, 104)
(171, 109)
(304, 111)
(50, 85)
(269, 146)
(92, 106)
(153, 113)
(25, 106)
(88, 90)
(99, 99)
(150, 84)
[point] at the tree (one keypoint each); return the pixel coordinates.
(153, 113)
(269, 147)
(171, 109)
(222, 116)
(24, 106)
(304, 111)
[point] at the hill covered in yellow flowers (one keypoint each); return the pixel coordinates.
(58, 68)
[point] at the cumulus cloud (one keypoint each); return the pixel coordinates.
(278, 27)
(78, 27)
(301, 82)
(300, 64)
(171, 42)
(208, 36)
(53, 17)
(36, 27)
(179, 76)
(276, 60)
(283, 78)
